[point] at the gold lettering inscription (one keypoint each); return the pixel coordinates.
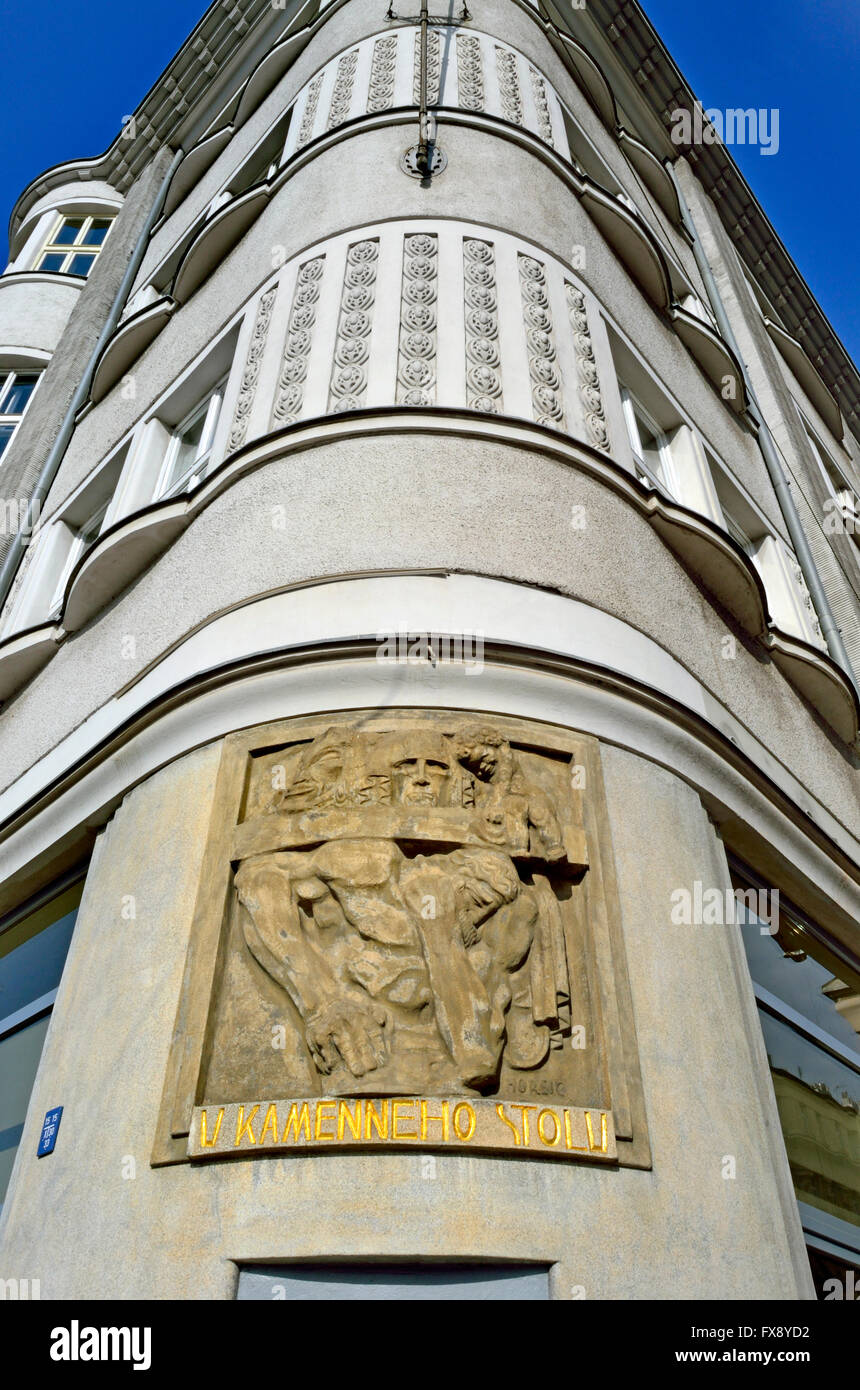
(402, 1121)
(430, 1119)
(603, 1132)
(500, 1111)
(380, 1122)
(471, 1121)
(344, 1117)
(296, 1120)
(525, 1112)
(556, 1130)
(270, 1124)
(319, 1133)
(210, 1143)
(243, 1126)
(402, 1133)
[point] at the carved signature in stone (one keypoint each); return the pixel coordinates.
(388, 904)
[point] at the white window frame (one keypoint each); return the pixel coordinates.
(10, 373)
(77, 247)
(84, 538)
(212, 404)
(630, 404)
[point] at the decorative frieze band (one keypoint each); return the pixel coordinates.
(352, 349)
(380, 92)
(289, 396)
(342, 93)
(470, 72)
(540, 344)
(250, 375)
(589, 389)
(483, 370)
(416, 365)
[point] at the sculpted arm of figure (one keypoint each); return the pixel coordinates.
(339, 1022)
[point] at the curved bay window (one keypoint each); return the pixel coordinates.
(808, 993)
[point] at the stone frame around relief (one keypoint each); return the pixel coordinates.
(193, 1055)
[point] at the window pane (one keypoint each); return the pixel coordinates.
(80, 264)
(819, 1107)
(68, 231)
(16, 399)
(52, 260)
(800, 981)
(649, 446)
(96, 232)
(33, 953)
(19, 1062)
(6, 433)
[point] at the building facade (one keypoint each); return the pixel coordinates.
(429, 841)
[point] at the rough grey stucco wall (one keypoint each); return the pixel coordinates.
(418, 502)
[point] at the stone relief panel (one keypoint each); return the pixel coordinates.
(409, 910)
(251, 373)
(289, 395)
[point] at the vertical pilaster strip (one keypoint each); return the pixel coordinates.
(541, 105)
(416, 365)
(509, 85)
(470, 72)
(434, 68)
(586, 364)
(540, 344)
(248, 386)
(341, 96)
(483, 373)
(352, 347)
(380, 95)
(289, 396)
(309, 115)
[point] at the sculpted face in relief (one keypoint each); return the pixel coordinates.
(400, 890)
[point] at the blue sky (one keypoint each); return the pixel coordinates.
(71, 73)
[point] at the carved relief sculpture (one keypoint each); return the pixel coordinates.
(399, 891)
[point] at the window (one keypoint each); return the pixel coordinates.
(265, 160)
(808, 993)
(190, 446)
(73, 245)
(649, 444)
(34, 942)
(82, 538)
(394, 1283)
(16, 388)
(845, 516)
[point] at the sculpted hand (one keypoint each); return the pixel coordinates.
(351, 1030)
